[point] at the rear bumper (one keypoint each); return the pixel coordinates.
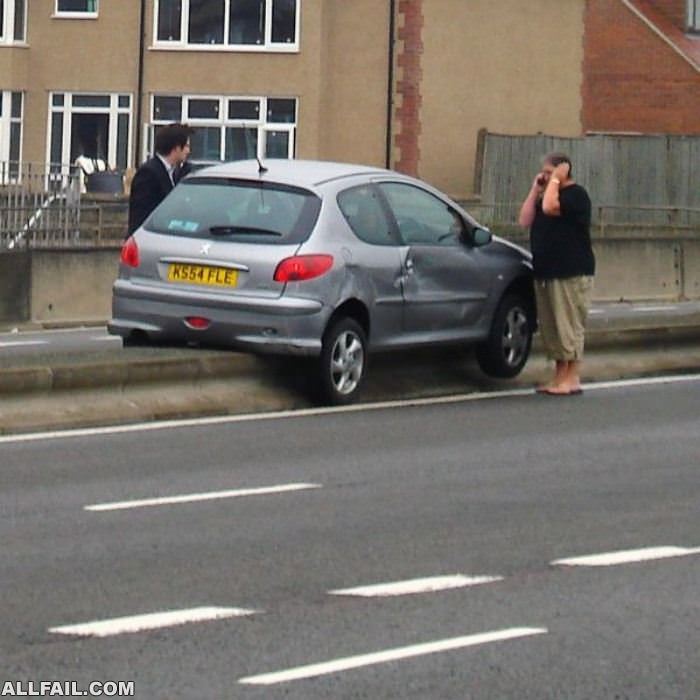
(284, 325)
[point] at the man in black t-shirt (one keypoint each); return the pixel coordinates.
(558, 213)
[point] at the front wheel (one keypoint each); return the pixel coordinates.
(504, 353)
(343, 361)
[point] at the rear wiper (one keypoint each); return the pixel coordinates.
(253, 230)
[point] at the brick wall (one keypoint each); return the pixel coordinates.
(407, 118)
(675, 10)
(633, 80)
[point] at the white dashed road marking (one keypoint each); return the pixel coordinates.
(419, 585)
(152, 621)
(196, 497)
(645, 309)
(351, 662)
(629, 556)
(20, 343)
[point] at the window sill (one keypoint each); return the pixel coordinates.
(222, 48)
(74, 15)
(14, 45)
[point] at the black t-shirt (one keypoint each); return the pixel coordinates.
(561, 245)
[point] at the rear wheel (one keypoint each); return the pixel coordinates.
(505, 352)
(343, 361)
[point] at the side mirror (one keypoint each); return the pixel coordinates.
(481, 236)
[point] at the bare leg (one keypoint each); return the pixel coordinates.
(567, 378)
(559, 378)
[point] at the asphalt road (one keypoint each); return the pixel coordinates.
(499, 488)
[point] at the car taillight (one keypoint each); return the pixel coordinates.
(198, 323)
(303, 267)
(130, 253)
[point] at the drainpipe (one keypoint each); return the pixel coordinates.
(390, 86)
(139, 90)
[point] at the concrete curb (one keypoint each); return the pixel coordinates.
(120, 374)
(204, 383)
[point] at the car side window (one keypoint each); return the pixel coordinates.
(363, 211)
(421, 217)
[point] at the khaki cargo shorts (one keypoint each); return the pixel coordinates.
(562, 310)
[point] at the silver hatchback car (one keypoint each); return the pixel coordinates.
(326, 260)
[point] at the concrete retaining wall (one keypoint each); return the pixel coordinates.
(57, 285)
(75, 284)
(15, 283)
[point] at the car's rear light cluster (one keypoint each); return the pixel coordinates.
(130, 253)
(303, 267)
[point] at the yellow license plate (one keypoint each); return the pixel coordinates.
(202, 274)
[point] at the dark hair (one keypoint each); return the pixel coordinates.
(557, 159)
(171, 136)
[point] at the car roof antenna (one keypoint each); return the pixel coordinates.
(249, 147)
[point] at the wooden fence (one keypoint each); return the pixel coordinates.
(634, 179)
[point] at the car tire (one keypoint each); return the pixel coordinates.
(504, 353)
(343, 362)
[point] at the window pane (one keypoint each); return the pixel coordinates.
(91, 101)
(2, 18)
(77, 5)
(241, 143)
(247, 24)
(199, 203)
(206, 143)
(284, 14)
(122, 141)
(281, 111)
(167, 108)
(16, 108)
(169, 14)
(58, 100)
(363, 211)
(206, 22)
(19, 20)
(422, 217)
(277, 144)
(15, 140)
(244, 109)
(124, 101)
(56, 137)
(203, 109)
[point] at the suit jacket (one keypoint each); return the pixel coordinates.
(149, 188)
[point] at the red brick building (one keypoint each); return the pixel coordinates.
(641, 69)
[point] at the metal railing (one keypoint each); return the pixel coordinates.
(39, 205)
(605, 217)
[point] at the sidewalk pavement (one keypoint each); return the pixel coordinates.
(623, 340)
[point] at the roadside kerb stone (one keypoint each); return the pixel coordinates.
(122, 374)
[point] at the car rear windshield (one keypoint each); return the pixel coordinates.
(237, 210)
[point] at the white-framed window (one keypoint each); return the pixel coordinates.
(694, 15)
(77, 9)
(11, 118)
(13, 21)
(248, 25)
(96, 126)
(229, 127)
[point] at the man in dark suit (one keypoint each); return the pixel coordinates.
(159, 174)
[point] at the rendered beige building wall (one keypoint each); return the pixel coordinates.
(339, 77)
(87, 55)
(510, 66)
